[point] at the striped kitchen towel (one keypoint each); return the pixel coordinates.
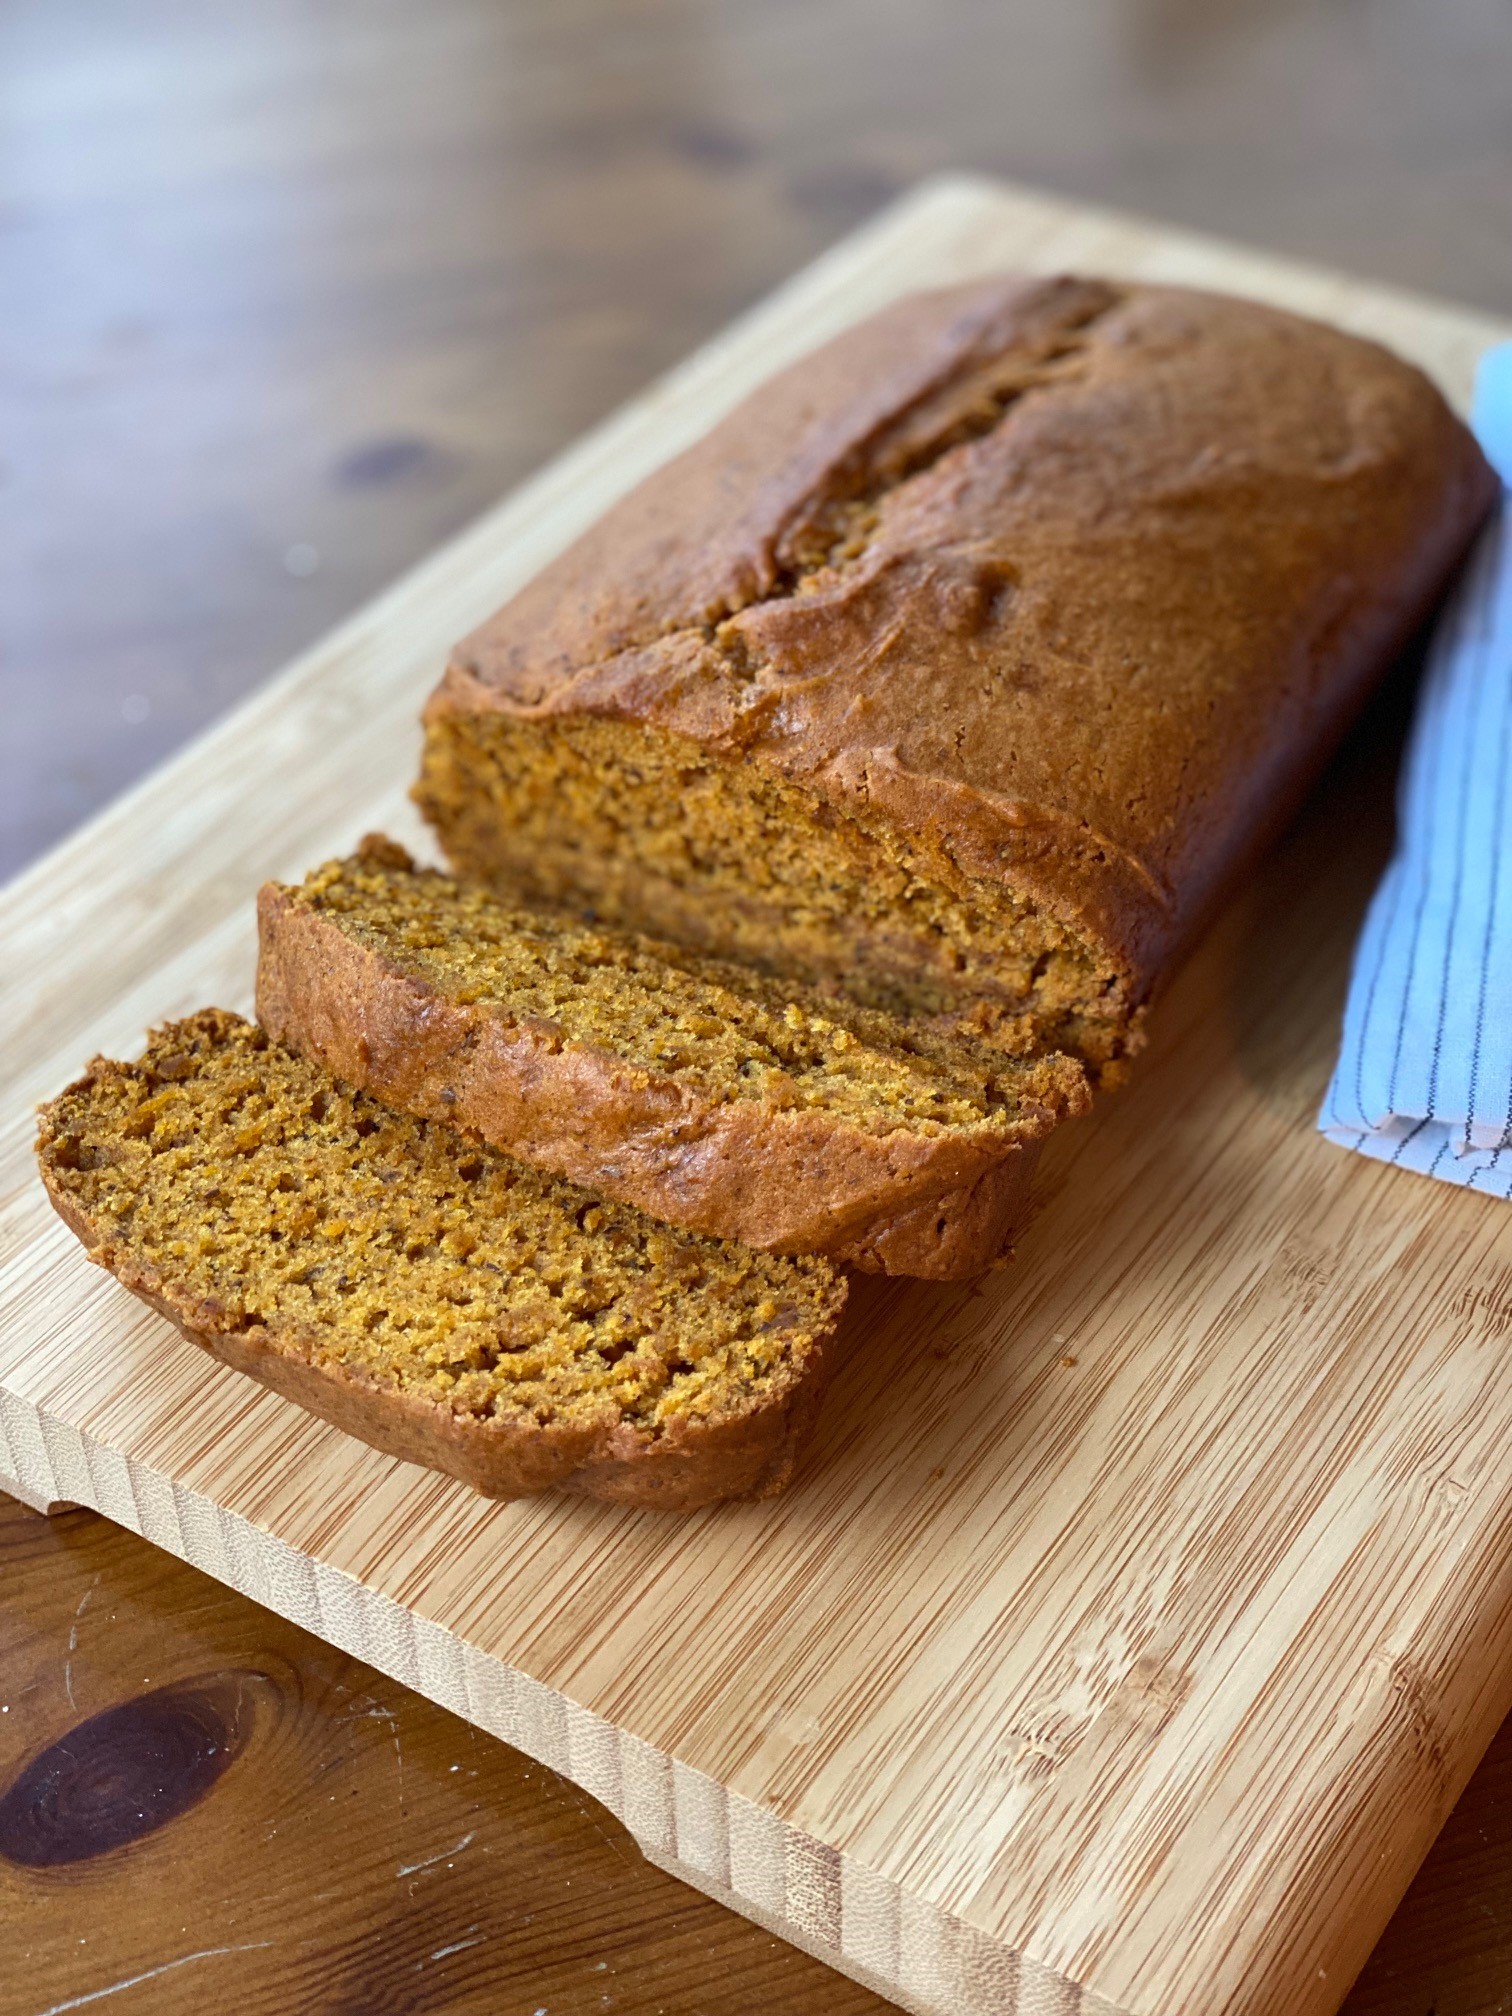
(1424, 1078)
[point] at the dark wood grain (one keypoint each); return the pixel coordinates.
(291, 292)
(358, 1851)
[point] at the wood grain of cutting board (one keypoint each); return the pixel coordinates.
(1141, 1610)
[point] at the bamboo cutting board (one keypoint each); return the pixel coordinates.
(1140, 1612)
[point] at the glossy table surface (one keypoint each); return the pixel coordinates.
(290, 294)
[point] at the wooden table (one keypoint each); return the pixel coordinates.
(290, 293)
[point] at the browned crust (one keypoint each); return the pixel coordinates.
(788, 1182)
(1095, 655)
(689, 1464)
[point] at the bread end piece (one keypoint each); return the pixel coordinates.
(689, 1463)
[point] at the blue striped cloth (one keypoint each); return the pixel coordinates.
(1424, 1078)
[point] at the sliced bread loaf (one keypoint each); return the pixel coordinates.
(432, 1297)
(970, 660)
(735, 1105)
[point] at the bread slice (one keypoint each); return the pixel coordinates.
(734, 1105)
(430, 1296)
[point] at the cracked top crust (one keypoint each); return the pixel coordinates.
(1076, 585)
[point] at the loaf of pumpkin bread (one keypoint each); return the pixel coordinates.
(431, 1296)
(968, 661)
(737, 1106)
(955, 675)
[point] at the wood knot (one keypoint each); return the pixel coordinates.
(127, 1771)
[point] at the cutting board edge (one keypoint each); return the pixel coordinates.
(966, 1965)
(684, 1822)
(951, 186)
(834, 1906)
